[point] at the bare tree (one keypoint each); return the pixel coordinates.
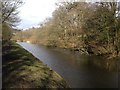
(10, 12)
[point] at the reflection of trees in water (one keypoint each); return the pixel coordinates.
(110, 65)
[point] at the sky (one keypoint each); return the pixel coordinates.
(33, 12)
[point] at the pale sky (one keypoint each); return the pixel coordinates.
(35, 11)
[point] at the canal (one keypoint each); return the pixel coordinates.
(79, 71)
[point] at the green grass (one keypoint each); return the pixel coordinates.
(22, 70)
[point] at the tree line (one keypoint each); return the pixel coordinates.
(91, 28)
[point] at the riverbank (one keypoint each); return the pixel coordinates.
(97, 50)
(22, 70)
(80, 71)
(89, 50)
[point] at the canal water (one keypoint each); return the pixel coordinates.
(79, 71)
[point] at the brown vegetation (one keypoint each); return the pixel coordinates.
(92, 28)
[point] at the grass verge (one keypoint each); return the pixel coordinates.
(20, 69)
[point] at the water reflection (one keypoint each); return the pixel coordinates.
(108, 65)
(79, 71)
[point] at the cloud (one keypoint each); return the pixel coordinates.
(35, 11)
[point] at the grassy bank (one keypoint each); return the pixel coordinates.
(22, 70)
